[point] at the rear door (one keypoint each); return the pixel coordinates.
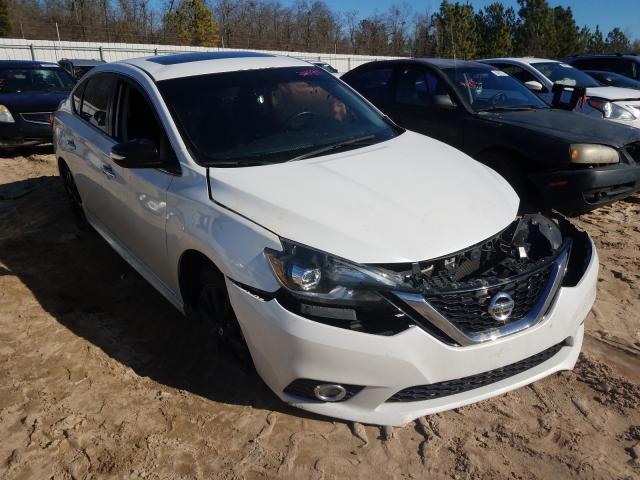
(423, 102)
(91, 139)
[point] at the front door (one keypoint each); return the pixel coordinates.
(423, 102)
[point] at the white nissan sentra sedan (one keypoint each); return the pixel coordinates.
(370, 273)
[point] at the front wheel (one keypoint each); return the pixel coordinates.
(213, 310)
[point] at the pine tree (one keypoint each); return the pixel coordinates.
(567, 33)
(455, 26)
(193, 23)
(535, 35)
(5, 20)
(618, 42)
(597, 43)
(495, 31)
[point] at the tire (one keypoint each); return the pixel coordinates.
(73, 196)
(213, 311)
(507, 166)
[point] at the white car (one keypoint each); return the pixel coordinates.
(612, 103)
(375, 274)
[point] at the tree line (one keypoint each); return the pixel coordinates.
(455, 29)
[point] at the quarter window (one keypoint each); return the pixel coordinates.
(96, 99)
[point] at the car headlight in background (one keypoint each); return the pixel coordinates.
(5, 115)
(611, 110)
(319, 277)
(591, 154)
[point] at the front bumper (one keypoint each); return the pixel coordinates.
(23, 133)
(581, 190)
(286, 347)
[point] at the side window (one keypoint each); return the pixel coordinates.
(96, 99)
(419, 87)
(374, 84)
(518, 73)
(626, 68)
(77, 97)
(136, 119)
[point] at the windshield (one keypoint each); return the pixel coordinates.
(487, 89)
(615, 80)
(17, 80)
(270, 115)
(566, 75)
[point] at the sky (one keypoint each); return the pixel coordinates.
(606, 13)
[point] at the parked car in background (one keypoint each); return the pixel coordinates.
(327, 68)
(539, 75)
(78, 67)
(553, 158)
(29, 93)
(623, 64)
(611, 79)
(371, 273)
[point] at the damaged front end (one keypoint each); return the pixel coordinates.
(499, 287)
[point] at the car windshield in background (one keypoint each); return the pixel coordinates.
(17, 80)
(566, 75)
(487, 89)
(614, 80)
(270, 115)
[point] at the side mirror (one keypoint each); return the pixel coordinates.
(100, 117)
(534, 86)
(138, 153)
(444, 101)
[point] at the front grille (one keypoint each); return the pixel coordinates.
(304, 388)
(37, 117)
(453, 387)
(468, 310)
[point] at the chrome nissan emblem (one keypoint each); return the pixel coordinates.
(501, 306)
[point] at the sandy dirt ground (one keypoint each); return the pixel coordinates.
(101, 378)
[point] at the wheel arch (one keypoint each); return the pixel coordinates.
(192, 262)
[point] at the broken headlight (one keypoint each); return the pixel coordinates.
(334, 291)
(320, 277)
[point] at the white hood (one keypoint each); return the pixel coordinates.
(614, 93)
(408, 199)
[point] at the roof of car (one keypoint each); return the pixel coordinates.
(632, 56)
(25, 64)
(83, 62)
(164, 67)
(527, 60)
(436, 62)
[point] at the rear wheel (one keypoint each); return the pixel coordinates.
(213, 310)
(73, 196)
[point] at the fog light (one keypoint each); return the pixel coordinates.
(328, 392)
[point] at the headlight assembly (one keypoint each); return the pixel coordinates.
(5, 115)
(611, 111)
(319, 277)
(592, 154)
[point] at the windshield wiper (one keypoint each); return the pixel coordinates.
(331, 148)
(513, 108)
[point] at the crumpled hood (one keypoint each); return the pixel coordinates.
(568, 127)
(411, 198)
(614, 93)
(32, 102)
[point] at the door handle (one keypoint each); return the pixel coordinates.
(108, 171)
(71, 144)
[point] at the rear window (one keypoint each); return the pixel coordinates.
(44, 79)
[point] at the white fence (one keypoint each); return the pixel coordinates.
(52, 51)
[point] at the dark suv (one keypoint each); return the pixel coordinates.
(627, 65)
(553, 158)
